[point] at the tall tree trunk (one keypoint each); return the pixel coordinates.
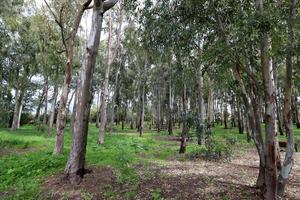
(158, 110)
(40, 104)
(62, 112)
(287, 110)
(113, 103)
(270, 192)
(210, 105)
(52, 111)
(20, 115)
(74, 112)
(104, 95)
(240, 119)
(142, 110)
(184, 133)
(170, 121)
(98, 109)
(46, 102)
(295, 108)
(18, 98)
(75, 166)
(201, 108)
(110, 57)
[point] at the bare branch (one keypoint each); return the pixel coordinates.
(108, 4)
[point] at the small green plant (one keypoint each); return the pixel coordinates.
(213, 150)
(231, 140)
(156, 194)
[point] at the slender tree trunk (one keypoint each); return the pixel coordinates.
(74, 112)
(62, 112)
(201, 108)
(41, 100)
(75, 166)
(104, 95)
(170, 121)
(270, 192)
(52, 111)
(240, 119)
(113, 104)
(184, 133)
(287, 110)
(158, 110)
(210, 104)
(142, 110)
(46, 102)
(19, 97)
(98, 109)
(20, 115)
(295, 108)
(110, 57)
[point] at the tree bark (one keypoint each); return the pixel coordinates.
(110, 57)
(201, 108)
(46, 102)
(18, 104)
(210, 104)
(41, 100)
(184, 132)
(270, 191)
(170, 121)
(62, 112)
(287, 110)
(104, 95)
(75, 166)
(52, 111)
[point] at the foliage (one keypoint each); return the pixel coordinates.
(213, 150)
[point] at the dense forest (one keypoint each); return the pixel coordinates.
(147, 99)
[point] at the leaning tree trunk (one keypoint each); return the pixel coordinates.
(287, 110)
(62, 112)
(75, 166)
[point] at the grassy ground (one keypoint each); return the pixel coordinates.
(26, 157)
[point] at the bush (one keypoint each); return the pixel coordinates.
(230, 140)
(213, 150)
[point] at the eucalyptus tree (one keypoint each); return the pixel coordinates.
(75, 166)
(68, 28)
(111, 54)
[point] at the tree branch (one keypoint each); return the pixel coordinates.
(108, 4)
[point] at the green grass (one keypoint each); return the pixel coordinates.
(21, 174)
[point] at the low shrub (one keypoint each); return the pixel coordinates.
(213, 150)
(231, 140)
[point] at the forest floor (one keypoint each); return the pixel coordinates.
(130, 167)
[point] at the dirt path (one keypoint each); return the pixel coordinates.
(173, 179)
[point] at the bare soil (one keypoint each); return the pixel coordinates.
(175, 179)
